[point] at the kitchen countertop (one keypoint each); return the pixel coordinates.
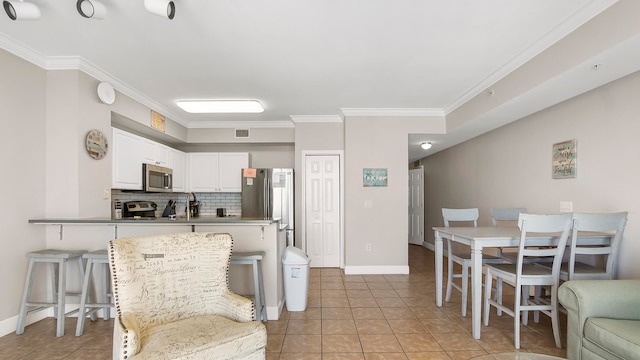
(200, 220)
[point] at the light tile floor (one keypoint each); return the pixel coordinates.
(347, 317)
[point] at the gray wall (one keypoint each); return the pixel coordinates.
(23, 155)
(379, 142)
(511, 166)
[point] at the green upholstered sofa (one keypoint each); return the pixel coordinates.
(603, 318)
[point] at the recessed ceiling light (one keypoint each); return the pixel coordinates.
(220, 106)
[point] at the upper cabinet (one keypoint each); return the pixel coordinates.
(216, 172)
(197, 172)
(178, 162)
(129, 152)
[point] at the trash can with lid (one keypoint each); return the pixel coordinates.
(295, 264)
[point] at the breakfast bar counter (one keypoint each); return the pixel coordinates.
(249, 234)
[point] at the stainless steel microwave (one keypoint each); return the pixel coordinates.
(157, 178)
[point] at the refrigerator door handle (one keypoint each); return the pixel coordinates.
(267, 196)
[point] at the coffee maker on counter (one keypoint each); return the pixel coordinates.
(193, 206)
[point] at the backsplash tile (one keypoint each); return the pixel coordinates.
(210, 201)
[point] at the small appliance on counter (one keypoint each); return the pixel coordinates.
(194, 205)
(221, 212)
(139, 209)
(116, 210)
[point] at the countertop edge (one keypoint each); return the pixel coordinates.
(159, 221)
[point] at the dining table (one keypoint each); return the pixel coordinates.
(481, 237)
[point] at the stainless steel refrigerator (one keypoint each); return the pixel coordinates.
(268, 194)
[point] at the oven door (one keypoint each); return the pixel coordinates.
(157, 178)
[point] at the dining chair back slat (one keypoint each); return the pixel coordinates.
(522, 275)
(613, 223)
(463, 258)
(458, 215)
(506, 214)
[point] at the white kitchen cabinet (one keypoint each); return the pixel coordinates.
(130, 151)
(230, 167)
(155, 153)
(216, 172)
(178, 162)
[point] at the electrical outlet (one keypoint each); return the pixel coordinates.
(106, 195)
(566, 206)
(368, 246)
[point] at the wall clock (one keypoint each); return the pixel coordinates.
(97, 144)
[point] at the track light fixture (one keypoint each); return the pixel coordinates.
(162, 8)
(426, 145)
(20, 10)
(91, 9)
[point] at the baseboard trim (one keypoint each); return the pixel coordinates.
(376, 270)
(429, 246)
(274, 312)
(8, 326)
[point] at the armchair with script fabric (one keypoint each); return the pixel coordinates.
(173, 301)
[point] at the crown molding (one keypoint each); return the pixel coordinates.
(213, 124)
(316, 118)
(79, 63)
(392, 112)
(579, 18)
(20, 50)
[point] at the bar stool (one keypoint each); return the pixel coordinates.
(58, 282)
(255, 260)
(89, 305)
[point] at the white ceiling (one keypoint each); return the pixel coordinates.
(298, 57)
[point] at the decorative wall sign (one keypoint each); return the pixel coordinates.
(374, 177)
(157, 121)
(96, 144)
(564, 162)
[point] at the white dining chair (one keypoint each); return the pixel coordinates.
(463, 258)
(508, 217)
(521, 275)
(594, 268)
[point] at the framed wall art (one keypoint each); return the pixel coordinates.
(374, 177)
(564, 160)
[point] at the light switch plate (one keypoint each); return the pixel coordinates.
(566, 206)
(368, 203)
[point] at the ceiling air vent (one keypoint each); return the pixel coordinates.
(242, 133)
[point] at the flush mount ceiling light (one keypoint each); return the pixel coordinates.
(220, 106)
(20, 10)
(426, 145)
(162, 8)
(91, 9)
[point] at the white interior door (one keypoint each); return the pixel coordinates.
(416, 206)
(322, 210)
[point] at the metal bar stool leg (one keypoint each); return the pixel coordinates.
(62, 286)
(57, 261)
(89, 304)
(106, 311)
(26, 294)
(255, 260)
(262, 296)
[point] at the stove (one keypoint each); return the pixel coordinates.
(139, 209)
